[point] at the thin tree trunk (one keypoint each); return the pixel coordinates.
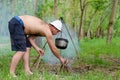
(89, 28)
(111, 22)
(35, 6)
(71, 13)
(14, 3)
(99, 31)
(55, 8)
(81, 30)
(38, 40)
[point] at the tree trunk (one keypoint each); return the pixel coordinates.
(82, 8)
(14, 3)
(71, 13)
(99, 31)
(89, 28)
(55, 8)
(111, 22)
(35, 6)
(38, 40)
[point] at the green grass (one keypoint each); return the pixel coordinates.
(99, 46)
(95, 53)
(92, 50)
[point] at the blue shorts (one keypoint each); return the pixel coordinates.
(19, 41)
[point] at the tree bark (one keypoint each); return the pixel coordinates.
(111, 22)
(89, 28)
(71, 13)
(35, 6)
(81, 29)
(99, 31)
(55, 8)
(14, 8)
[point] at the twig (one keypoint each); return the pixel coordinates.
(38, 59)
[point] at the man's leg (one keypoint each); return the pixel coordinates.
(26, 61)
(15, 60)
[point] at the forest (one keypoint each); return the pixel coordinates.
(88, 18)
(96, 24)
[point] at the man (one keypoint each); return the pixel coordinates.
(23, 30)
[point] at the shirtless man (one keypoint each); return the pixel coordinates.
(23, 30)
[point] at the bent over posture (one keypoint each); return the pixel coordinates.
(23, 30)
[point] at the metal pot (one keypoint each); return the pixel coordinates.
(61, 43)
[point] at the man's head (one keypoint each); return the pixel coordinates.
(57, 24)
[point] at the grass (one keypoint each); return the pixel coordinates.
(93, 49)
(95, 53)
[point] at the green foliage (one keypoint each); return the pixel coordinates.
(99, 4)
(69, 9)
(45, 9)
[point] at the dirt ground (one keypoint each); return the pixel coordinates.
(80, 68)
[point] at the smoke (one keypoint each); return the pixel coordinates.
(8, 10)
(69, 52)
(4, 16)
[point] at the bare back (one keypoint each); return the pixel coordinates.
(34, 25)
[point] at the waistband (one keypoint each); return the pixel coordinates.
(19, 20)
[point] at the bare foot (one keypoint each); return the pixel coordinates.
(29, 72)
(13, 75)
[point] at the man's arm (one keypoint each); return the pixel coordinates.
(53, 47)
(39, 50)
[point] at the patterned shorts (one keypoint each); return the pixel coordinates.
(19, 41)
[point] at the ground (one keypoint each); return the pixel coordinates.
(80, 68)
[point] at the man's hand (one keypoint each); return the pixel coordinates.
(40, 51)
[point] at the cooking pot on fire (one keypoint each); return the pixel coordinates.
(61, 43)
